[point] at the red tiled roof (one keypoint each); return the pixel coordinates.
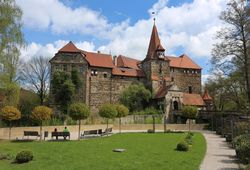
(127, 72)
(206, 96)
(162, 92)
(182, 62)
(193, 99)
(70, 47)
(123, 61)
(98, 59)
(154, 43)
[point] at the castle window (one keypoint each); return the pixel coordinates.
(192, 71)
(196, 71)
(172, 70)
(187, 71)
(184, 71)
(94, 72)
(81, 69)
(105, 75)
(172, 78)
(64, 67)
(190, 90)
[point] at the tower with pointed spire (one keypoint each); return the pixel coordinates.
(156, 65)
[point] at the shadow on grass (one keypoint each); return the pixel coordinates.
(22, 140)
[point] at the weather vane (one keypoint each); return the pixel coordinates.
(153, 13)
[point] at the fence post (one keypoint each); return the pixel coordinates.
(232, 128)
(212, 122)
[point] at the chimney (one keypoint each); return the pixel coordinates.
(115, 60)
(98, 52)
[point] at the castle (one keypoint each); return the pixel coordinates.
(173, 81)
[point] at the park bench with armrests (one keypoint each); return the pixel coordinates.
(60, 134)
(30, 133)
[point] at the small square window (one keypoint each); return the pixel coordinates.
(105, 75)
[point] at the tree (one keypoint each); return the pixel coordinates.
(136, 97)
(41, 113)
(10, 113)
(152, 111)
(11, 39)
(63, 90)
(79, 111)
(76, 80)
(189, 112)
(108, 111)
(35, 73)
(122, 111)
(11, 93)
(231, 53)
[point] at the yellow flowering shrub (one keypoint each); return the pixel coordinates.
(10, 113)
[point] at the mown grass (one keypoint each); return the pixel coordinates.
(143, 151)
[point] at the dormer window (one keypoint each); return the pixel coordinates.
(160, 54)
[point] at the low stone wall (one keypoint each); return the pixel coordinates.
(160, 127)
(17, 132)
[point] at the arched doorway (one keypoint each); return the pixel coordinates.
(176, 105)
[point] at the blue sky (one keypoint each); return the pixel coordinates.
(121, 26)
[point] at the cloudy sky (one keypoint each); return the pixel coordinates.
(122, 26)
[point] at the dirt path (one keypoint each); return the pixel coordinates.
(219, 155)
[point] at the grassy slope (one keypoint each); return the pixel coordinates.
(144, 151)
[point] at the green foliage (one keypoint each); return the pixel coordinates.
(7, 156)
(122, 110)
(136, 97)
(63, 89)
(189, 138)
(28, 100)
(151, 111)
(189, 112)
(76, 80)
(10, 113)
(24, 156)
(11, 93)
(247, 167)
(241, 128)
(108, 111)
(11, 39)
(41, 113)
(242, 147)
(79, 111)
(182, 146)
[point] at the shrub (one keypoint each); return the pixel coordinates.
(189, 138)
(242, 147)
(247, 167)
(182, 146)
(24, 156)
(6, 156)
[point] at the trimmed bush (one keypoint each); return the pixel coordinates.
(24, 156)
(6, 156)
(189, 138)
(242, 147)
(182, 146)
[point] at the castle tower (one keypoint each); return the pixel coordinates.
(208, 100)
(156, 65)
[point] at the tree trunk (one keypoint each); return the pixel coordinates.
(153, 123)
(107, 127)
(41, 131)
(120, 124)
(79, 129)
(10, 131)
(165, 126)
(189, 124)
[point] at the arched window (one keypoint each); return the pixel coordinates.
(176, 107)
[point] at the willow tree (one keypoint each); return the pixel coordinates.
(11, 39)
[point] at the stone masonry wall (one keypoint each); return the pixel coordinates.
(184, 78)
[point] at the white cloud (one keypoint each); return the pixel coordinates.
(54, 15)
(49, 50)
(190, 26)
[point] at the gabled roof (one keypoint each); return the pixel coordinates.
(206, 96)
(154, 43)
(98, 59)
(123, 61)
(183, 62)
(193, 99)
(127, 72)
(70, 47)
(162, 92)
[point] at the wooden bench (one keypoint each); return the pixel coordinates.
(31, 133)
(60, 134)
(91, 133)
(107, 131)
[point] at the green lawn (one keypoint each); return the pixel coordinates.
(144, 151)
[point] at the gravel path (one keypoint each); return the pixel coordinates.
(219, 155)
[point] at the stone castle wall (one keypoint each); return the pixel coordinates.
(184, 78)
